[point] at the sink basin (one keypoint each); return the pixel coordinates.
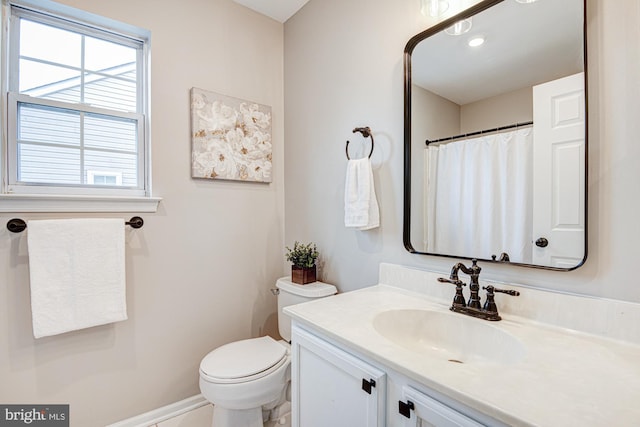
(451, 336)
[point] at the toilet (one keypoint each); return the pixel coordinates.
(248, 381)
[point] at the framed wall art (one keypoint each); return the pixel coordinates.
(230, 138)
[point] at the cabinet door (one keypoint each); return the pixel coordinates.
(419, 410)
(332, 388)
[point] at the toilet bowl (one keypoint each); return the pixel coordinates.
(244, 379)
(248, 381)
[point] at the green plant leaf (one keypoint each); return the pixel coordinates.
(302, 255)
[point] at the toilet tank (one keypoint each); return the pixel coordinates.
(290, 293)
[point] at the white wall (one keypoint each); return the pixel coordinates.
(343, 68)
(199, 271)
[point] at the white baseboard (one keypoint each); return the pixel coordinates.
(161, 414)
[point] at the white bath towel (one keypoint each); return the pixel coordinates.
(360, 203)
(77, 274)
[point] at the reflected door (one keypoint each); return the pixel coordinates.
(558, 184)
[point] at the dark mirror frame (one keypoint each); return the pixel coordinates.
(410, 46)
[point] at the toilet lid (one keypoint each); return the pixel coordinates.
(243, 358)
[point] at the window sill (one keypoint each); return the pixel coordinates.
(57, 203)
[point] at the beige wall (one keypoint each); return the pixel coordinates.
(436, 113)
(500, 110)
(437, 117)
(199, 272)
(343, 68)
(434, 116)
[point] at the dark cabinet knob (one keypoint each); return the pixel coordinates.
(406, 408)
(367, 385)
(542, 242)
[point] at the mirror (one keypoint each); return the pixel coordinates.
(495, 135)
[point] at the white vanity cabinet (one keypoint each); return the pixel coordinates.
(419, 410)
(333, 386)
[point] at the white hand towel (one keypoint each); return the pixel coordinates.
(77, 274)
(360, 203)
(374, 212)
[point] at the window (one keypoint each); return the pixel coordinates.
(77, 103)
(104, 178)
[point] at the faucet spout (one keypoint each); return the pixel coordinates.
(473, 271)
(454, 271)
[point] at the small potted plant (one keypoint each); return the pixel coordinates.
(303, 257)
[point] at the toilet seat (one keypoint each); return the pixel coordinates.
(243, 361)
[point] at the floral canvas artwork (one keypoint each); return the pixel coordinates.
(231, 138)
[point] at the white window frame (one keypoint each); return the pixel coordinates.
(38, 197)
(39, 188)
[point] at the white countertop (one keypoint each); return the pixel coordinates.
(566, 378)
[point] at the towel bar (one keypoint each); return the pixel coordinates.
(17, 225)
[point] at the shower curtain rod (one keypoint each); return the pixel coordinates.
(480, 132)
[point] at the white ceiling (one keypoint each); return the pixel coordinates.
(280, 10)
(526, 44)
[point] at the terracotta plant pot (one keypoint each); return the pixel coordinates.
(303, 275)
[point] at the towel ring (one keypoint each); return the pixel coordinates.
(366, 132)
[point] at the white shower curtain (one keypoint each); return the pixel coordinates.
(478, 199)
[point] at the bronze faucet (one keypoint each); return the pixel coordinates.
(473, 308)
(504, 257)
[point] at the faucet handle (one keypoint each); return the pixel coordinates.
(490, 304)
(458, 299)
(505, 291)
(456, 282)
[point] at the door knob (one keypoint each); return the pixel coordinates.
(542, 242)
